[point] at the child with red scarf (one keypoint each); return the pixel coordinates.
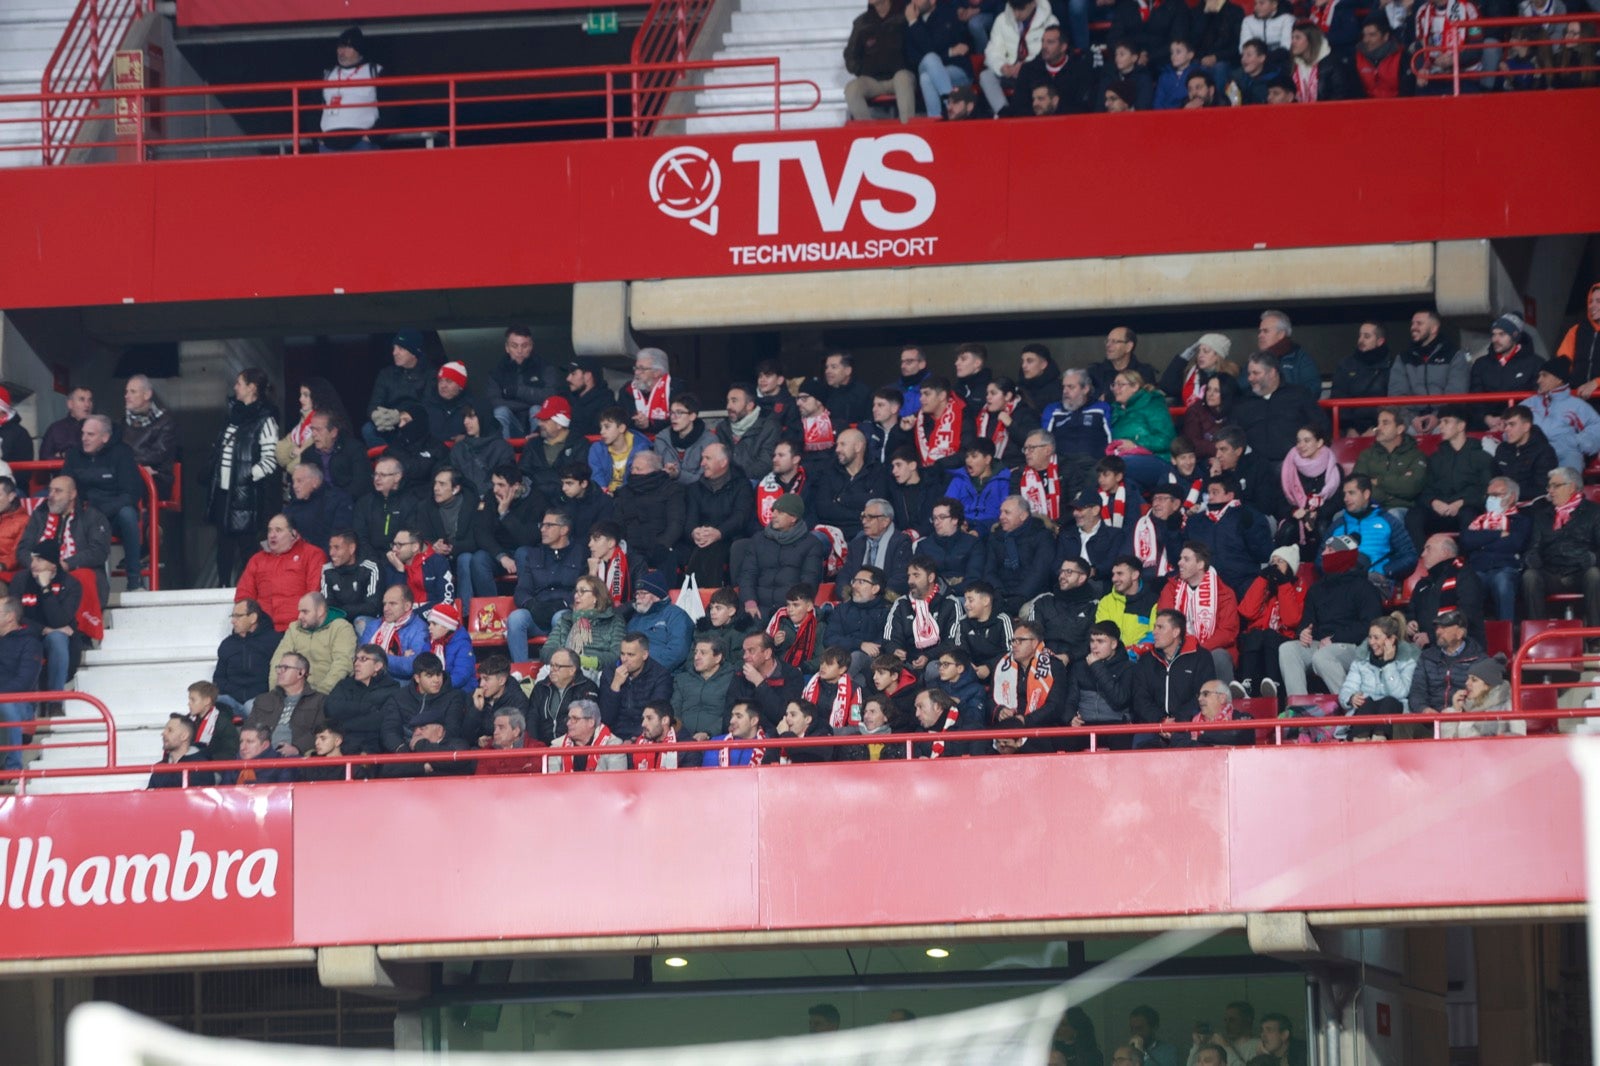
(793, 628)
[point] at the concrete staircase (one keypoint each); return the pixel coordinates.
(29, 33)
(808, 35)
(157, 644)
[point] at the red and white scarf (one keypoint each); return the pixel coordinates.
(1306, 77)
(302, 429)
(769, 489)
(613, 573)
(1224, 715)
(563, 764)
(59, 528)
(644, 759)
(945, 438)
(1197, 489)
(1043, 491)
(1194, 387)
(817, 431)
(804, 644)
(387, 636)
(1216, 513)
(658, 404)
(992, 426)
(1564, 513)
(1149, 547)
(924, 626)
(757, 755)
(1007, 679)
(846, 708)
(1499, 523)
(948, 724)
(1114, 507)
(1504, 359)
(1199, 605)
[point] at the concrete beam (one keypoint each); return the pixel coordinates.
(600, 319)
(1283, 935)
(1055, 288)
(357, 968)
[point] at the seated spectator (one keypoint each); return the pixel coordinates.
(338, 455)
(817, 429)
(1510, 365)
(1214, 28)
(1267, 23)
(107, 475)
(1570, 424)
(478, 451)
(656, 727)
(1006, 421)
(360, 704)
(323, 638)
(1379, 682)
(1364, 373)
(1017, 32)
(1248, 83)
(589, 398)
(1429, 367)
(1319, 75)
(545, 577)
(1205, 421)
(875, 56)
(1143, 1025)
(637, 679)
(494, 695)
(278, 575)
(981, 485)
(315, 509)
(1172, 84)
(401, 631)
(563, 684)
(1167, 679)
(611, 456)
(450, 642)
(1274, 414)
(1493, 544)
(51, 599)
(942, 425)
(1397, 467)
(1124, 85)
(782, 555)
(1338, 609)
(1186, 376)
(717, 511)
(1148, 25)
(1216, 705)
(776, 401)
(765, 682)
(79, 532)
(891, 679)
(680, 445)
(1104, 678)
(555, 447)
(1121, 347)
(700, 693)
(936, 48)
(1032, 684)
(1131, 603)
(1582, 342)
(1039, 478)
(922, 623)
(351, 585)
(1141, 427)
(1563, 554)
(912, 494)
(1208, 605)
(1454, 487)
(859, 621)
(291, 711)
(1236, 536)
(874, 723)
(386, 510)
(610, 562)
(839, 490)
(215, 732)
(849, 401)
(1158, 535)
(1120, 503)
(1524, 455)
(1273, 606)
(1081, 429)
(1382, 539)
(939, 713)
(1018, 555)
(668, 626)
(13, 521)
(1068, 79)
(787, 477)
(429, 733)
(833, 691)
(1311, 479)
(1486, 691)
(749, 433)
(255, 745)
(429, 697)
(647, 399)
(448, 522)
(1067, 611)
(794, 627)
(510, 733)
(21, 664)
(244, 658)
(1446, 583)
(328, 744)
(1444, 664)
(1380, 62)
(425, 573)
(729, 625)
(178, 749)
(650, 506)
(956, 550)
(957, 677)
(743, 724)
(507, 521)
(64, 434)
(592, 630)
(585, 729)
(521, 383)
(802, 719)
(1092, 538)
(415, 448)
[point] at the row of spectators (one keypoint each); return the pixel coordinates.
(1167, 54)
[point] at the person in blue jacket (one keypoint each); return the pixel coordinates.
(401, 632)
(450, 641)
(669, 627)
(982, 486)
(1172, 86)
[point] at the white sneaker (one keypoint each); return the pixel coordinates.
(1269, 687)
(1238, 690)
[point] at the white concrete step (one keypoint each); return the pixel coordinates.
(779, 40)
(820, 119)
(176, 597)
(793, 16)
(82, 786)
(846, 10)
(748, 99)
(824, 77)
(128, 652)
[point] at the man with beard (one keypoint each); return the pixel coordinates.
(1364, 372)
(1429, 367)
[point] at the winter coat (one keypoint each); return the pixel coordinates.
(1271, 423)
(243, 663)
(876, 48)
(728, 507)
(395, 383)
(959, 558)
(359, 711)
(1398, 476)
(108, 479)
(1084, 431)
(303, 723)
(91, 537)
(1448, 585)
(980, 501)
(1151, 32)
(538, 465)
(547, 575)
(503, 535)
(460, 665)
(731, 636)
(684, 452)
(606, 630)
(1217, 33)
(1517, 374)
(1132, 615)
(318, 517)
(751, 454)
(1017, 563)
(1573, 548)
(600, 460)
(1163, 688)
(1458, 474)
(1240, 541)
(524, 385)
(277, 580)
(1438, 675)
(21, 660)
(893, 562)
(547, 707)
(378, 518)
(1432, 369)
(835, 497)
(1289, 595)
(474, 458)
(850, 624)
(1496, 699)
(1377, 680)
(1105, 544)
(650, 508)
(1145, 421)
(984, 642)
(1105, 689)
(701, 704)
(1582, 345)
(1569, 423)
(671, 633)
(586, 509)
(1489, 549)
(246, 455)
(772, 696)
(411, 638)
(771, 563)
(623, 710)
(1066, 617)
(1529, 464)
(1225, 635)
(410, 702)
(1362, 374)
(330, 649)
(345, 467)
(1341, 606)
(1384, 541)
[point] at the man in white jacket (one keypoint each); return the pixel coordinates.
(1016, 37)
(1269, 24)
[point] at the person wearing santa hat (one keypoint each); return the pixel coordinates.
(447, 401)
(451, 643)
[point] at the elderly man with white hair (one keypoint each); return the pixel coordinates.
(648, 397)
(1275, 336)
(1564, 553)
(584, 730)
(149, 430)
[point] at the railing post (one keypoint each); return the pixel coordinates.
(611, 106)
(294, 121)
(94, 38)
(452, 87)
(777, 94)
(1455, 58)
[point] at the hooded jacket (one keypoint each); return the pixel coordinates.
(1377, 680)
(1582, 345)
(330, 649)
(1570, 425)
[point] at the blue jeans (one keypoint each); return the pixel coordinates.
(519, 627)
(511, 426)
(978, 29)
(125, 522)
(1501, 586)
(937, 78)
(371, 437)
(1078, 23)
(1147, 471)
(57, 657)
(474, 576)
(12, 735)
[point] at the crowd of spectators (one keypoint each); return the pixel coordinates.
(1017, 58)
(1095, 545)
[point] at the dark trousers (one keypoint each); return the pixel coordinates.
(1537, 584)
(233, 551)
(1258, 658)
(1422, 523)
(709, 565)
(1385, 705)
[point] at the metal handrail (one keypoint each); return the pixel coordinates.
(52, 696)
(79, 61)
(1455, 38)
(667, 34)
(152, 514)
(1520, 661)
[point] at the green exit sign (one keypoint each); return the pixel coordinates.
(597, 22)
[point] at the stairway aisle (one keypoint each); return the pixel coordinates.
(157, 644)
(29, 33)
(809, 36)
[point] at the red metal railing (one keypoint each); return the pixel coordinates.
(79, 64)
(152, 515)
(434, 111)
(667, 35)
(1469, 38)
(1333, 407)
(33, 725)
(1546, 692)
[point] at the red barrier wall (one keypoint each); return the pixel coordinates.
(271, 12)
(883, 195)
(786, 848)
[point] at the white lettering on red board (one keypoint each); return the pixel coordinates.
(33, 876)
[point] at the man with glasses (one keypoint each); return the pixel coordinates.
(1564, 553)
(244, 658)
(956, 677)
(923, 622)
(1067, 611)
(545, 576)
(386, 510)
(858, 623)
(1121, 345)
(879, 544)
(956, 550)
(359, 704)
(425, 572)
(564, 684)
(292, 711)
(1032, 684)
(1216, 705)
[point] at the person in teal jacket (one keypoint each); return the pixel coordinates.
(1140, 424)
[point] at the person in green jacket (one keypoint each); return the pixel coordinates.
(1397, 467)
(1140, 424)
(1458, 480)
(700, 691)
(592, 629)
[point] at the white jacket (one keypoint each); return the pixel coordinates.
(1005, 35)
(1275, 30)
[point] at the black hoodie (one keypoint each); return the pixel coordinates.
(1362, 374)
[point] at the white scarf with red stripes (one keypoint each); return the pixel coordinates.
(1199, 605)
(992, 426)
(385, 636)
(644, 759)
(817, 431)
(769, 489)
(563, 764)
(1149, 547)
(846, 708)
(924, 626)
(757, 755)
(1114, 506)
(948, 724)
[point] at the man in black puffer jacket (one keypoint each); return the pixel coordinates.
(719, 508)
(650, 507)
(1564, 554)
(359, 703)
(244, 657)
(785, 554)
(1019, 554)
(407, 378)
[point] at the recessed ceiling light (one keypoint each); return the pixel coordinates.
(676, 961)
(937, 953)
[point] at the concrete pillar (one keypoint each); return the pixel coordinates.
(600, 319)
(1510, 992)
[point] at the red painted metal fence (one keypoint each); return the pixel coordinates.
(667, 36)
(78, 65)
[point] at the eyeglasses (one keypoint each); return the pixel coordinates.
(287, 666)
(868, 514)
(549, 525)
(862, 581)
(944, 663)
(1213, 692)
(400, 544)
(1034, 447)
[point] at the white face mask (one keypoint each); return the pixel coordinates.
(1494, 504)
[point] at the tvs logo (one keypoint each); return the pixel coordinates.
(686, 181)
(684, 184)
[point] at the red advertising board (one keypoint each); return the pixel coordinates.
(135, 873)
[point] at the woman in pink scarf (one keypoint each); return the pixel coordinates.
(1310, 478)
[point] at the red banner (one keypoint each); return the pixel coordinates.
(271, 12)
(136, 873)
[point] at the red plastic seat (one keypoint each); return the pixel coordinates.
(1261, 708)
(1565, 647)
(1497, 633)
(705, 597)
(1539, 699)
(1429, 443)
(825, 592)
(1592, 493)
(1348, 449)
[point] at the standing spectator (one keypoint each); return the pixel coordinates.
(1167, 679)
(358, 705)
(244, 466)
(108, 478)
(67, 433)
(1338, 609)
(1570, 424)
(1364, 373)
(1271, 418)
(1209, 608)
(1510, 365)
(1018, 556)
(244, 658)
(717, 511)
(749, 433)
(350, 102)
(22, 657)
(16, 443)
(1457, 479)
(592, 630)
(782, 555)
(562, 686)
(1524, 455)
(588, 397)
(972, 375)
(1041, 379)
(681, 444)
(1494, 541)
(1397, 467)
(1564, 554)
(936, 47)
(545, 578)
(291, 712)
(315, 508)
(520, 383)
(80, 534)
(647, 399)
(1581, 344)
(875, 57)
(1273, 605)
(553, 448)
(406, 378)
(1429, 367)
